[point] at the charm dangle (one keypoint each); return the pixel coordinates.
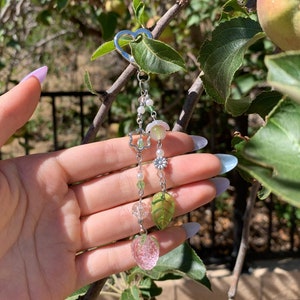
(145, 248)
(163, 204)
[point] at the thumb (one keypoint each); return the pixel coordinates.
(18, 104)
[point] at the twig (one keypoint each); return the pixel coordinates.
(94, 290)
(191, 100)
(244, 241)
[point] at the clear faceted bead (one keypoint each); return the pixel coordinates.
(140, 210)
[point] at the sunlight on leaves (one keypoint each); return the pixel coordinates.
(284, 73)
(272, 154)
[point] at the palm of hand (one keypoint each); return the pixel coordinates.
(41, 229)
(46, 220)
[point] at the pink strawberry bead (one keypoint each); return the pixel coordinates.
(145, 250)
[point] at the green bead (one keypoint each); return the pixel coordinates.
(140, 143)
(141, 184)
(162, 209)
(158, 132)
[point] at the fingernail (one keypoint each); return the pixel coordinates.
(199, 142)
(228, 162)
(191, 229)
(221, 184)
(39, 73)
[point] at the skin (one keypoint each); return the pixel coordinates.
(281, 22)
(56, 205)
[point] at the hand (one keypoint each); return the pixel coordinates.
(55, 205)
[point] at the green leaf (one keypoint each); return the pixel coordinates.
(149, 289)
(108, 23)
(62, 4)
(139, 11)
(233, 9)
(284, 73)
(78, 293)
(223, 55)
(182, 261)
(264, 103)
(272, 154)
(237, 107)
(108, 47)
(154, 56)
(132, 293)
(88, 83)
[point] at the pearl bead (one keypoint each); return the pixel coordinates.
(141, 110)
(160, 152)
(140, 176)
(149, 102)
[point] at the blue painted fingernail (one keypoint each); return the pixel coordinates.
(199, 142)
(221, 184)
(191, 229)
(39, 73)
(228, 162)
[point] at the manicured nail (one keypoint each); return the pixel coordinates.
(221, 184)
(39, 73)
(228, 162)
(191, 229)
(199, 142)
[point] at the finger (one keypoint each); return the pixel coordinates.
(87, 161)
(17, 106)
(104, 261)
(118, 188)
(187, 198)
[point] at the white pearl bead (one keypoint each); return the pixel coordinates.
(140, 176)
(141, 110)
(149, 102)
(160, 152)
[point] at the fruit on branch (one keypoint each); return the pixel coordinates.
(280, 19)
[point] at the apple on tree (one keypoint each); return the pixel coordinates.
(280, 19)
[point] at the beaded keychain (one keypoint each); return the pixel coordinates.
(145, 248)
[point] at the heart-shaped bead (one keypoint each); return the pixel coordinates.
(133, 35)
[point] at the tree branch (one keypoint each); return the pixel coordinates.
(244, 241)
(115, 89)
(191, 100)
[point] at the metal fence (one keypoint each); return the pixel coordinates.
(61, 121)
